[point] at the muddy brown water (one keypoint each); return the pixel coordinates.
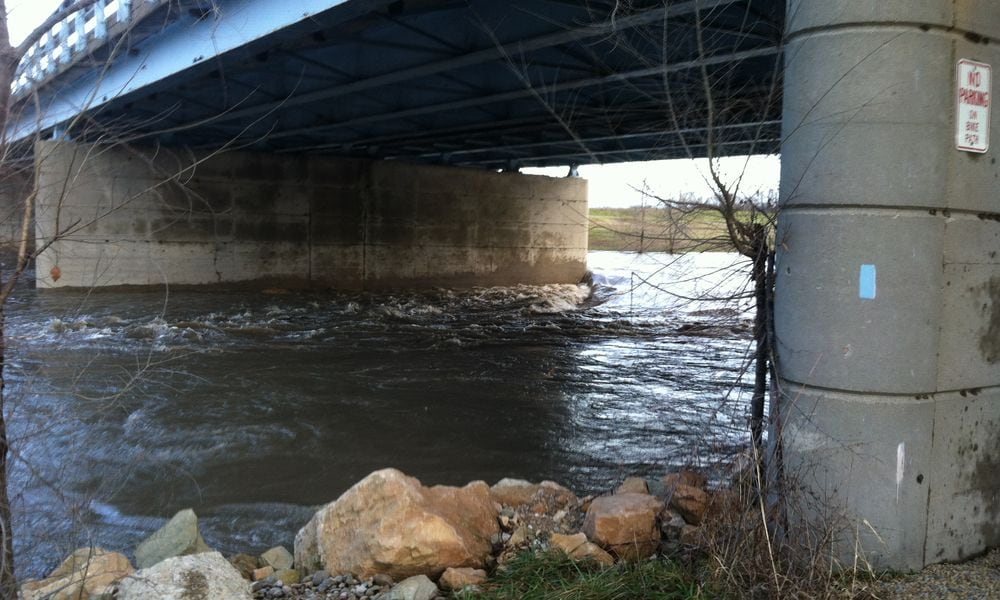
(253, 408)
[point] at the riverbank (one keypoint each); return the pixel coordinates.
(391, 538)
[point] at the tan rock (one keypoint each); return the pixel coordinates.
(389, 523)
(558, 495)
(457, 579)
(514, 492)
(85, 573)
(578, 548)
(278, 557)
(690, 502)
(633, 485)
(263, 572)
(544, 497)
(625, 525)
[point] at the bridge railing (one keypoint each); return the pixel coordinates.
(76, 36)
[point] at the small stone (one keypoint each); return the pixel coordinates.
(579, 548)
(319, 577)
(263, 573)
(418, 587)
(383, 580)
(278, 557)
(520, 536)
(456, 579)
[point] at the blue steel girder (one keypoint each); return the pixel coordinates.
(469, 82)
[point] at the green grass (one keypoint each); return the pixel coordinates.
(657, 230)
(555, 577)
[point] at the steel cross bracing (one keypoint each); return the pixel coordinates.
(464, 82)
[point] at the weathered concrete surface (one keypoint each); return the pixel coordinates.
(891, 405)
(15, 187)
(170, 218)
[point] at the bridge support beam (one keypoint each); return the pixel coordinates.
(888, 293)
(126, 217)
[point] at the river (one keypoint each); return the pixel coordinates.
(254, 407)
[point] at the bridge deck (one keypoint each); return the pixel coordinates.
(463, 82)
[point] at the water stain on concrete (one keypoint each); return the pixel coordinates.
(986, 480)
(989, 342)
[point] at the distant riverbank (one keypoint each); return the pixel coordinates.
(652, 229)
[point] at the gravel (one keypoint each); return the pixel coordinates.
(973, 580)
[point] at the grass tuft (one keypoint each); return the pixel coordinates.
(552, 576)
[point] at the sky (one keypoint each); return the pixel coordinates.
(615, 185)
(25, 15)
(619, 185)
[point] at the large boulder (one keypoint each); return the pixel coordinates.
(205, 576)
(179, 537)
(389, 523)
(306, 547)
(86, 573)
(624, 524)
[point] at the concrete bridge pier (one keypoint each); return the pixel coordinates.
(143, 217)
(888, 292)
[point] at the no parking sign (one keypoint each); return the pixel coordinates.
(972, 127)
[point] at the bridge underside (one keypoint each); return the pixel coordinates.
(890, 399)
(456, 82)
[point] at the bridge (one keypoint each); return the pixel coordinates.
(376, 143)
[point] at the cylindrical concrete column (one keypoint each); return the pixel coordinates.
(888, 292)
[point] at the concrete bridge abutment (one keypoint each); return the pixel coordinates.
(888, 291)
(117, 216)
